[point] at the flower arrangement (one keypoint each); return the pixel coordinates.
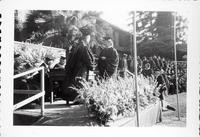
(34, 55)
(107, 100)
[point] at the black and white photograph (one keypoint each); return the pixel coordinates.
(95, 69)
(98, 68)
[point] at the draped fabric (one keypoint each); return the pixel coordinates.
(79, 62)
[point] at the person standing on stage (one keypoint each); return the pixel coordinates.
(72, 39)
(79, 62)
(108, 60)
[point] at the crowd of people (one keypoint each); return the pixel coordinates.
(79, 60)
(150, 66)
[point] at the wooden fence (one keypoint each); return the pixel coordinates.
(36, 93)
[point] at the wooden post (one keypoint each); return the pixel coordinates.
(36, 93)
(175, 61)
(42, 90)
(51, 101)
(135, 67)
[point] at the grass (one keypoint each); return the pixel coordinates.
(170, 118)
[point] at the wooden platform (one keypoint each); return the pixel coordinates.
(59, 114)
(56, 114)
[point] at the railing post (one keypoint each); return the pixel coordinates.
(51, 101)
(38, 94)
(135, 69)
(176, 71)
(42, 90)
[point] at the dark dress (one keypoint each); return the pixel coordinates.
(79, 62)
(163, 81)
(108, 67)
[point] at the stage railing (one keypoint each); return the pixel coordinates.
(36, 93)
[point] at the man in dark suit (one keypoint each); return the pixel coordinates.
(108, 60)
(61, 64)
(47, 64)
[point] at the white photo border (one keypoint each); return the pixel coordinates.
(7, 8)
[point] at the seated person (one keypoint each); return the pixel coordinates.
(47, 65)
(58, 83)
(61, 64)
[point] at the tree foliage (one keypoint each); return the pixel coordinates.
(155, 31)
(50, 27)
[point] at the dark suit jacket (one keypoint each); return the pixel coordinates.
(110, 64)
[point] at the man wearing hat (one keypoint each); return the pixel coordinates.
(78, 64)
(108, 59)
(47, 64)
(61, 64)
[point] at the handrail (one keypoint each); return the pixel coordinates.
(38, 93)
(27, 72)
(36, 45)
(179, 61)
(130, 73)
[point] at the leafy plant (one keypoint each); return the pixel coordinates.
(110, 99)
(34, 55)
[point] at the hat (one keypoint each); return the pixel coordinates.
(49, 58)
(107, 38)
(27, 65)
(86, 30)
(16, 55)
(62, 57)
(124, 55)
